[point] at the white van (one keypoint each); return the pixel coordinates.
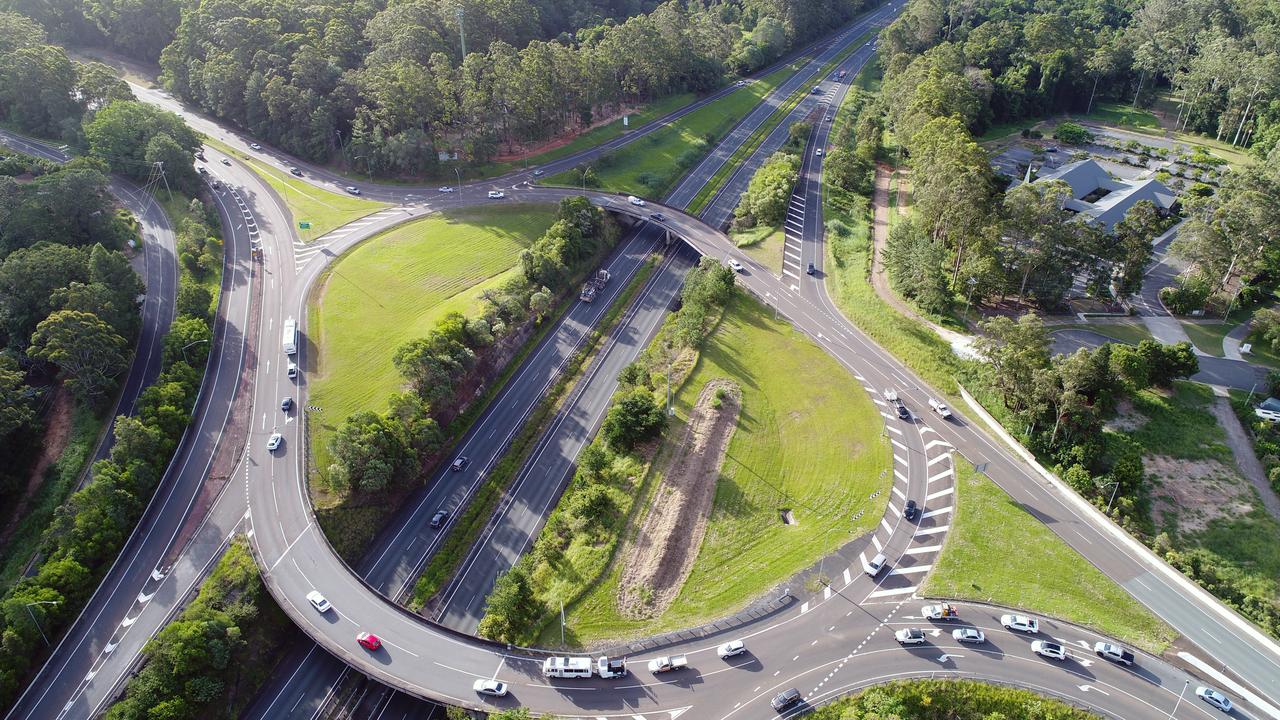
(635, 201)
(566, 667)
(873, 566)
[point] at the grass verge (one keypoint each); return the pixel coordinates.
(763, 244)
(463, 534)
(325, 210)
(650, 165)
(1130, 332)
(394, 287)
(801, 417)
(978, 562)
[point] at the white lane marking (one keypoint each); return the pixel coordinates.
(898, 491)
(847, 578)
(935, 443)
(900, 459)
(936, 460)
(826, 595)
(896, 591)
(893, 429)
(885, 524)
(898, 444)
(875, 540)
(940, 493)
(913, 570)
(944, 474)
(788, 272)
(935, 513)
(898, 474)
(932, 531)
(923, 550)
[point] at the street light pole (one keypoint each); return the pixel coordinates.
(37, 622)
(1184, 692)
(184, 349)
(458, 174)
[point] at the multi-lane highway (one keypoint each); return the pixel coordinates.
(824, 645)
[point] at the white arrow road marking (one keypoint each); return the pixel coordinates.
(157, 575)
(1084, 644)
(128, 621)
(145, 598)
(945, 658)
(110, 647)
(1088, 688)
(935, 632)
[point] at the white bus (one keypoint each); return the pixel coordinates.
(290, 336)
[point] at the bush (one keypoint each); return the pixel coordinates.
(1185, 298)
(636, 417)
(1072, 134)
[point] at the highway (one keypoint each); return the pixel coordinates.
(825, 644)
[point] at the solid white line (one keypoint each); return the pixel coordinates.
(893, 429)
(935, 513)
(898, 444)
(898, 474)
(892, 509)
(885, 524)
(788, 272)
(935, 443)
(913, 570)
(876, 541)
(944, 474)
(935, 460)
(847, 578)
(898, 491)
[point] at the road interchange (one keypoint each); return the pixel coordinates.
(805, 303)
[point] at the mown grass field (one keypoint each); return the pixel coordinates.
(394, 288)
(978, 562)
(807, 439)
(657, 154)
(1131, 332)
(325, 210)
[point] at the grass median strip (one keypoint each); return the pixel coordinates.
(323, 209)
(986, 558)
(758, 136)
(480, 508)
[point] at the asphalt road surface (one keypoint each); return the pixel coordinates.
(827, 644)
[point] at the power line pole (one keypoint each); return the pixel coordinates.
(157, 170)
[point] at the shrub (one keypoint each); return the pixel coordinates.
(1072, 134)
(1185, 298)
(634, 418)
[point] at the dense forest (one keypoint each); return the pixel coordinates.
(385, 88)
(954, 69)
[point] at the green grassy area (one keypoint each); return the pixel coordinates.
(393, 288)
(59, 482)
(721, 176)
(650, 165)
(325, 210)
(847, 271)
(978, 562)
(762, 244)
(807, 438)
(595, 136)
(1131, 332)
(948, 700)
(1124, 116)
(870, 76)
(1003, 130)
(1211, 523)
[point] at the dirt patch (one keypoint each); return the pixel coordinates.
(1193, 493)
(1127, 419)
(660, 558)
(57, 432)
(519, 152)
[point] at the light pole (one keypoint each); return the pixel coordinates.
(37, 622)
(671, 411)
(368, 167)
(458, 174)
(184, 349)
(1184, 692)
(1115, 488)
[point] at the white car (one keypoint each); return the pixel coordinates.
(445, 188)
(495, 688)
(274, 441)
(873, 566)
(635, 201)
(255, 146)
(969, 635)
(1051, 650)
(731, 649)
(1214, 698)
(291, 370)
(910, 636)
(538, 173)
(819, 152)
(736, 266)
(1021, 623)
(496, 194)
(352, 190)
(318, 601)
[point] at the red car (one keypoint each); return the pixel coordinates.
(368, 641)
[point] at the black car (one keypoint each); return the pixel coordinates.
(438, 519)
(904, 413)
(658, 216)
(295, 171)
(460, 464)
(911, 511)
(286, 404)
(812, 270)
(784, 700)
